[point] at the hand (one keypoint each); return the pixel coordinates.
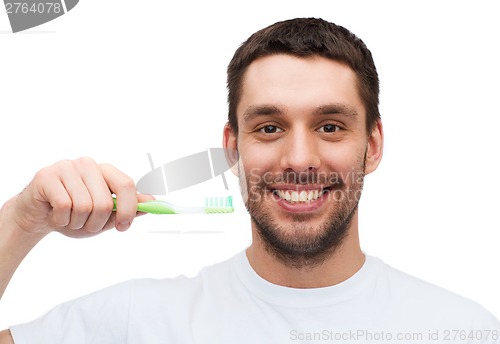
(74, 197)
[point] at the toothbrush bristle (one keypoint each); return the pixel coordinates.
(219, 205)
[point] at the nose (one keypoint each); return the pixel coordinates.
(299, 152)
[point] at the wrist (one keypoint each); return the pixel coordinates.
(15, 244)
(12, 234)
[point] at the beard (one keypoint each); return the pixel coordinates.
(300, 244)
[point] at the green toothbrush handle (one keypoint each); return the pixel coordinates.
(213, 206)
(152, 207)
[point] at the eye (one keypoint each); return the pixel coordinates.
(270, 129)
(329, 128)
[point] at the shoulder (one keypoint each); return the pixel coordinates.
(425, 298)
(182, 289)
(111, 313)
(102, 313)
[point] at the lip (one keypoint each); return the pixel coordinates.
(300, 207)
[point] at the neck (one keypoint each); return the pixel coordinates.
(337, 267)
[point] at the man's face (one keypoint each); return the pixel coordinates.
(302, 144)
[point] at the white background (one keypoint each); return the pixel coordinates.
(118, 79)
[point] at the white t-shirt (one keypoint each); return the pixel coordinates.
(230, 303)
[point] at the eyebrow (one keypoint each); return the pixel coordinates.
(261, 110)
(336, 108)
(269, 109)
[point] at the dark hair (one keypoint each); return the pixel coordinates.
(305, 37)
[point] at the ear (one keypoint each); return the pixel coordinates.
(230, 144)
(374, 148)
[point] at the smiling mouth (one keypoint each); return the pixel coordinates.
(302, 196)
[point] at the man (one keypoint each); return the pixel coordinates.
(303, 131)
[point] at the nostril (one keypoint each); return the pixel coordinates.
(300, 159)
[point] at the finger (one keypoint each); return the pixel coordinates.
(126, 195)
(80, 197)
(61, 204)
(112, 219)
(143, 198)
(102, 202)
(110, 223)
(51, 195)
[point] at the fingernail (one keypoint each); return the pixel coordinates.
(124, 226)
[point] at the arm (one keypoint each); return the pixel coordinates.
(5, 337)
(14, 245)
(70, 197)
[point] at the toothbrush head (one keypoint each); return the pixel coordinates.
(219, 205)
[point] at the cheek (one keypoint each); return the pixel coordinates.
(256, 159)
(342, 158)
(253, 166)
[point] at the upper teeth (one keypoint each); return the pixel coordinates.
(302, 196)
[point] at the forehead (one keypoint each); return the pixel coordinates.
(298, 83)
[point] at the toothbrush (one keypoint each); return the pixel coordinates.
(213, 205)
